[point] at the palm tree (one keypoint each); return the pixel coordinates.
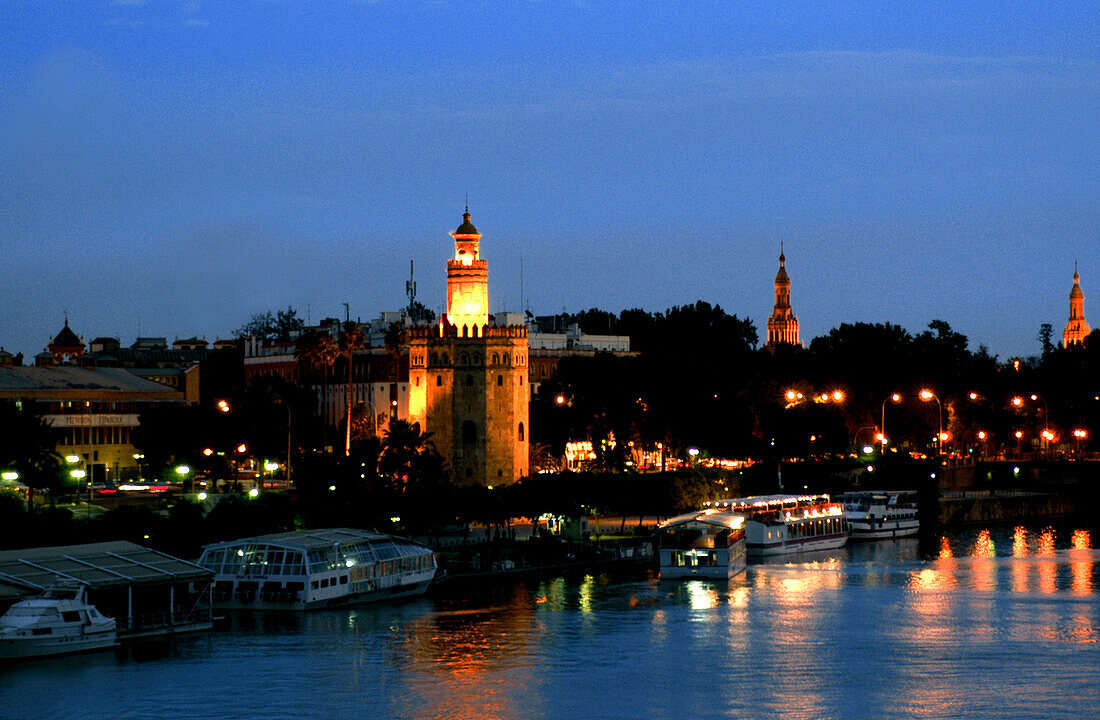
(408, 455)
(319, 350)
(351, 340)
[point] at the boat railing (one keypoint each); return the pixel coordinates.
(279, 596)
(152, 621)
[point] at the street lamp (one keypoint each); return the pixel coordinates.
(893, 398)
(927, 395)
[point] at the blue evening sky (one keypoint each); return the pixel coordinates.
(169, 168)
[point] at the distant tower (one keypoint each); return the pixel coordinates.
(1076, 328)
(66, 347)
(782, 325)
(467, 379)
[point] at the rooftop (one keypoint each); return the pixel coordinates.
(45, 382)
(307, 539)
(27, 572)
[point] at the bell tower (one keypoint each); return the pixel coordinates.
(1076, 329)
(782, 325)
(467, 279)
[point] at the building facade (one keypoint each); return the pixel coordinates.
(1077, 329)
(782, 324)
(468, 379)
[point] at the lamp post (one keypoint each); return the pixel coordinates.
(894, 398)
(927, 395)
(1046, 434)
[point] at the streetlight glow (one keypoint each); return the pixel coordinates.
(11, 475)
(254, 492)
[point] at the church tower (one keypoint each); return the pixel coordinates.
(1076, 329)
(468, 379)
(782, 325)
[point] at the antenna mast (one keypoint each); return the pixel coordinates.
(410, 288)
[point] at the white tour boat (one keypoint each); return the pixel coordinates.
(780, 524)
(61, 621)
(308, 569)
(708, 543)
(877, 514)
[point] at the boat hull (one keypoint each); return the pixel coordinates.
(865, 530)
(18, 648)
(395, 592)
(800, 545)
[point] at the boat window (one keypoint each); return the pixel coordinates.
(315, 584)
(343, 579)
(42, 631)
(71, 616)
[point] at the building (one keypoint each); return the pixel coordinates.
(66, 346)
(96, 410)
(468, 379)
(782, 325)
(1077, 329)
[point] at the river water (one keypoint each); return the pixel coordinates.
(999, 623)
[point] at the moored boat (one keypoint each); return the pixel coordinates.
(308, 569)
(707, 543)
(57, 623)
(879, 514)
(781, 524)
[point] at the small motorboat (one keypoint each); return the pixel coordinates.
(59, 622)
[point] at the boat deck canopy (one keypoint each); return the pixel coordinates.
(28, 572)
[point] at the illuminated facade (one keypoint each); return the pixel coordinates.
(1076, 329)
(782, 325)
(468, 379)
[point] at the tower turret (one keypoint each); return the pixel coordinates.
(467, 279)
(782, 325)
(1077, 328)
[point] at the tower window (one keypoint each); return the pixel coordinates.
(504, 358)
(438, 380)
(521, 432)
(477, 358)
(469, 432)
(500, 379)
(464, 359)
(469, 381)
(446, 359)
(469, 473)
(496, 359)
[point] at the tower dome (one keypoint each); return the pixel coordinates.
(467, 227)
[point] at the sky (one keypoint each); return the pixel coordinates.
(170, 168)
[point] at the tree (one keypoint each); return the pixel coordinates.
(1046, 331)
(27, 447)
(267, 326)
(351, 340)
(421, 314)
(409, 456)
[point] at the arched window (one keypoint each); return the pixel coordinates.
(477, 358)
(435, 358)
(446, 359)
(464, 359)
(469, 381)
(500, 379)
(504, 358)
(521, 432)
(438, 380)
(469, 432)
(496, 358)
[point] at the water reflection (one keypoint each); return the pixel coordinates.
(993, 622)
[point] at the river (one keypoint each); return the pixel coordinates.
(990, 623)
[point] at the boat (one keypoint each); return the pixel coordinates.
(59, 622)
(709, 543)
(781, 524)
(309, 569)
(877, 514)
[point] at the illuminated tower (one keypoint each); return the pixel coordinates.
(467, 378)
(782, 325)
(1076, 328)
(467, 279)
